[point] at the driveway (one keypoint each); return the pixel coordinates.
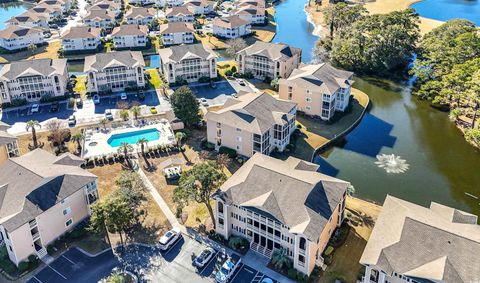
(148, 263)
(88, 113)
(223, 90)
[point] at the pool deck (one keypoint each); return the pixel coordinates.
(102, 147)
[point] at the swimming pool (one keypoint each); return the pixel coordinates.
(133, 137)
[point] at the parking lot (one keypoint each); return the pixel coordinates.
(148, 263)
(89, 112)
(222, 91)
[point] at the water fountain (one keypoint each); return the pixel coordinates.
(391, 163)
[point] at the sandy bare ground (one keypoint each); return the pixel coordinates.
(387, 6)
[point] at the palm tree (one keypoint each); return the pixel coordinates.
(280, 259)
(104, 123)
(144, 142)
(125, 149)
(223, 160)
(136, 111)
(180, 136)
(124, 114)
(78, 138)
(31, 125)
(32, 48)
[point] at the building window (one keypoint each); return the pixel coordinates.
(374, 275)
(308, 108)
(220, 207)
(303, 243)
(67, 211)
(69, 222)
(301, 258)
(10, 248)
(220, 221)
(308, 99)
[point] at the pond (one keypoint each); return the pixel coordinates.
(8, 10)
(442, 166)
(445, 10)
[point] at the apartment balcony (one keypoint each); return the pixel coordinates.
(33, 224)
(36, 236)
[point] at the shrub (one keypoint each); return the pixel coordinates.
(16, 102)
(228, 73)
(49, 98)
(329, 250)
(299, 126)
(71, 102)
(233, 69)
(5, 263)
(238, 243)
(292, 273)
(23, 266)
(232, 153)
(204, 80)
(78, 232)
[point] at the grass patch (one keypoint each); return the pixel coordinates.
(81, 85)
(155, 79)
(42, 137)
(224, 66)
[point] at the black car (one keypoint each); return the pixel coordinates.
(54, 107)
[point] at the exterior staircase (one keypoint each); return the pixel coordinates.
(261, 250)
(44, 256)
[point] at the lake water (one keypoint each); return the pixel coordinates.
(445, 10)
(8, 10)
(443, 167)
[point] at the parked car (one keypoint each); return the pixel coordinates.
(203, 101)
(167, 240)
(240, 82)
(35, 108)
(141, 94)
(54, 107)
(153, 110)
(234, 95)
(203, 258)
(123, 96)
(72, 120)
(96, 99)
(79, 102)
(227, 269)
(108, 114)
(267, 280)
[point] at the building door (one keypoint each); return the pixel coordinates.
(255, 238)
(270, 244)
(263, 241)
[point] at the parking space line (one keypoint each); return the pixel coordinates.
(170, 249)
(37, 279)
(68, 259)
(57, 272)
(208, 263)
(238, 272)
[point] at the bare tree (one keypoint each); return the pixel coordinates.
(235, 45)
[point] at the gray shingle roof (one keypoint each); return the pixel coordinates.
(324, 77)
(34, 182)
(253, 112)
(437, 243)
(13, 31)
(140, 12)
(96, 14)
(230, 22)
(100, 61)
(81, 32)
(297, 196)
(176, 27)
(273, 51)
(130, 30)
(42, 67)
(189, 51)
(177, 11)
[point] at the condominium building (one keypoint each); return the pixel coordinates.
(319, 89)
(100, 19)
(130, 36)
(177, 33)
(231, 27)
(268, 60)
(33, 79)
(81, 39)
(179, 14)
(250, 13)
(107, 5)
(252, 122)
(256, 3)
(114, 71)
(188, 62)
(64, 4)
(416, 244)
(142, 2)
(200, 7)
(140, 16)
(43, 197)
(17, 37)
(8, 144)
(281, 205)
(29, 19)
(54, 12)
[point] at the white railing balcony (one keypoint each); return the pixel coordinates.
(33, 224)
(36, 236)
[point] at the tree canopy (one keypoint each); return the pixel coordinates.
(369, 44)
(198, 184)
(185, 105)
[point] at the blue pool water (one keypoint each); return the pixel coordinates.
(8, 10)
(445, 10)
(133, 137)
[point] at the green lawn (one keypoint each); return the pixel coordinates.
(80, 86)
(155, 79)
